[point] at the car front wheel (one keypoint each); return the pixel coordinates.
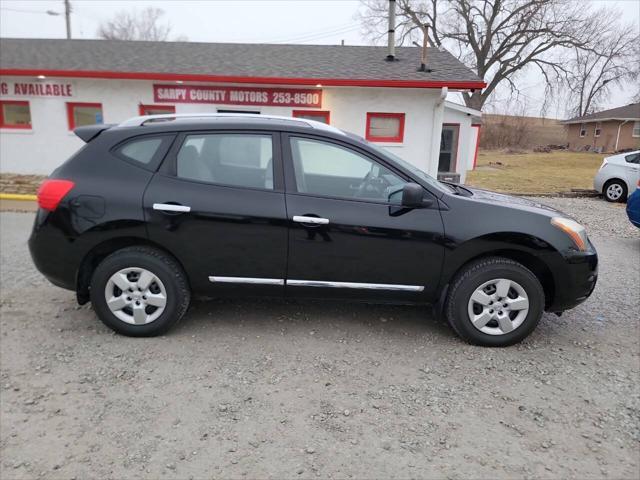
(495, 302)
(615, 191)
(139, 291)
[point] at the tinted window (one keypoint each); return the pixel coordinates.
(330, 170)
(633, 158)
(228, 159)
(141, 150)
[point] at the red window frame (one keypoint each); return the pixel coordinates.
(14, 102)
(326, 114)
(397, 139)
(72, 105)
(168, 109)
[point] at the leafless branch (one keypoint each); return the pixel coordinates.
(136, 25)
(499, 39)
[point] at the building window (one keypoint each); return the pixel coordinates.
(80, 114)
(156, 109)
(317, 115)
(597, 129)
(448, 158)
(385, 127)
(583, 130)
(636, 129)
(244, 112)
(15, 114)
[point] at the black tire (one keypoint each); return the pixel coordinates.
(170, 273)
(474, 275)
(621, 184)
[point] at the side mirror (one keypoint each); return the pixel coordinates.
(412, 196)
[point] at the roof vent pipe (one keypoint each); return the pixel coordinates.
(391, 40)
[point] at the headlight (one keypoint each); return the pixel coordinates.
(572, 228)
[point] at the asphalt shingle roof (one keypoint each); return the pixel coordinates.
(232, 59)
(628, 112)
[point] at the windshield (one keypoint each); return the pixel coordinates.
(408, 166)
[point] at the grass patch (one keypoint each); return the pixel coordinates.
(558, 171)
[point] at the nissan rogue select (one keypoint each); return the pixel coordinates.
(158, 209)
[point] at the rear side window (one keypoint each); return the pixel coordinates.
(145, 151)
(243, 160)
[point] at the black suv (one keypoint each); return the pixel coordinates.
(160, 208)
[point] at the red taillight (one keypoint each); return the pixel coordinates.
(51, 192)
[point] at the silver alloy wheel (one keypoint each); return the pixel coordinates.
(135, 296)
(498, 306)
(614, 191)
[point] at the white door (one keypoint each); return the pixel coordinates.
(632, 170)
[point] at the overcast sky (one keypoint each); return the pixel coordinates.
(251, 21)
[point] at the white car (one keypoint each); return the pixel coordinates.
(618, 176)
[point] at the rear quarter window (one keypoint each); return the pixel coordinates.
(147, 151)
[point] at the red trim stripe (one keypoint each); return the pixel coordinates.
(334, 82)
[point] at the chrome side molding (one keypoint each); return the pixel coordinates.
(170, 207)
(317, 283)
(249, 280)
(365, 286)
(312, 220)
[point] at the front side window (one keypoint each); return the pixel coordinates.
(636, 129)
(331, 170)
(243, 160)
(80, 114)
(633, 158)
(15, 114)
(583, 130)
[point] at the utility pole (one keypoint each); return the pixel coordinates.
(67, 16)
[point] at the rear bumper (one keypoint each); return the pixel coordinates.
(575, 280)
(598, 181)
(49, 250)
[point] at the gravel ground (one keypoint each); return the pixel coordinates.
(248, 389)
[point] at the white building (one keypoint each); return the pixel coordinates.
(49, 87)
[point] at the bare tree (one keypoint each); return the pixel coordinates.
(612, 59)
(136, 25)
(499, 39)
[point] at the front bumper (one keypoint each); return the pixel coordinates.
(575, 279)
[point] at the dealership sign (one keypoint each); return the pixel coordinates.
(36, 89)
(277, 97)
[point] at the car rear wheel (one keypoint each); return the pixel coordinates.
(139, 291)
(495, 302)
(615, 191)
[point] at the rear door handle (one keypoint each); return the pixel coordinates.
(312, 220)
(170, 207)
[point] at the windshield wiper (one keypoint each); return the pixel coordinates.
(458, 189)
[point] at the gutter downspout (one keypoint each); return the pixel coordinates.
(436, 133)
(618, 135)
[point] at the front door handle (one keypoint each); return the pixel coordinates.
(311, 220)
(171, 207)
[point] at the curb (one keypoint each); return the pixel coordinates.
(18, 196)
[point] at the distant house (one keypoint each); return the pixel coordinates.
(606, 131)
